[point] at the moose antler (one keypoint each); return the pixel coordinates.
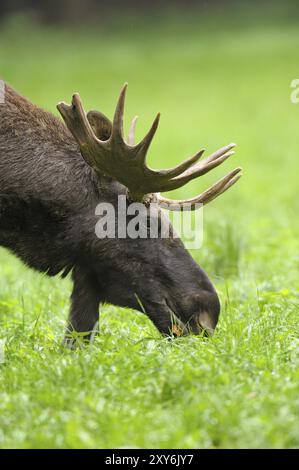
(126, 162)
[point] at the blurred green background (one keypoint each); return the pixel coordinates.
(219, 72)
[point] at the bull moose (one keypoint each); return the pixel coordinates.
(52, 176)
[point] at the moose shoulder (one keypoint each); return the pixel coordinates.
(52, 178)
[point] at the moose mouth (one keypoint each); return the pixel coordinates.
(197, 324)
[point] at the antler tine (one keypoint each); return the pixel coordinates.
(131, 136)
(220, 152)
(208, 163)
(207, 196)
(101, 125)
(146, 141)
(117, 130)
(78, 124)
(182, 167)
(74, 113)
(228, 185)
(194, 172)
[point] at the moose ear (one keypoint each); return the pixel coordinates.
(101, 125)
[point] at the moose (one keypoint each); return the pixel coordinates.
(53, 174)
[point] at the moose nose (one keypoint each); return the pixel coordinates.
(206, 323)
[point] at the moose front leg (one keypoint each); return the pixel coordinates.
(84, 313)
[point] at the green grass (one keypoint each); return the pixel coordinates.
(214, 81)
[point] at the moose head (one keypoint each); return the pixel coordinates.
(155, 275)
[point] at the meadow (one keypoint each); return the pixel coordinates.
(215, 80)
